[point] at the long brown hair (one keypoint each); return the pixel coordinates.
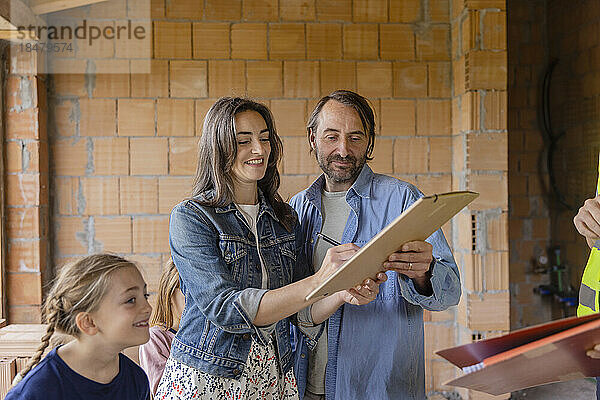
(217, 150)
(162, 313)
(79, 287)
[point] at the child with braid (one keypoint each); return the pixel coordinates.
(101, 300)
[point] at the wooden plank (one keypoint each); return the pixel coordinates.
(7, 373)
(47, 6)
(21, 340)
(14, 36)
(21, 363)
(15, 14)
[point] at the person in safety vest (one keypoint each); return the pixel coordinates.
(587, 223)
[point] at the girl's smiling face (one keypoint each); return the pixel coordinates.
(123, 316)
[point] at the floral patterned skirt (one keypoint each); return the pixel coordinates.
(259, 380)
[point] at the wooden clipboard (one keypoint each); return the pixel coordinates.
(418, 222)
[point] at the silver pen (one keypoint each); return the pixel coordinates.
(328, 239)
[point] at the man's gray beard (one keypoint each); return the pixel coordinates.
(349, 176)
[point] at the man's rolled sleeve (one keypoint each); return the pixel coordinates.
(445, 279)
(444, 282)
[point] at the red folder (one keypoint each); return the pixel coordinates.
(551, 352)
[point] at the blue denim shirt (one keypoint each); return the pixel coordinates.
(376, 351)
(220, 275)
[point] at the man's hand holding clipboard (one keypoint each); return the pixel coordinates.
(406, 233)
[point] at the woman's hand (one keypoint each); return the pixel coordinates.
(335, 257)
(363, 293)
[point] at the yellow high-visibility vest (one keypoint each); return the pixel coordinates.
(590, 283)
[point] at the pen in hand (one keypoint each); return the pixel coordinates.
(328, 239)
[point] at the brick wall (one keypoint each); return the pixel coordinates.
(480, 147)
(25, 189)
(529, 218)
(574, 39)
(123, 153)
(541, 31)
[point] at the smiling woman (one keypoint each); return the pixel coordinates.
(253, 151)
(238, 249)
(218, 150)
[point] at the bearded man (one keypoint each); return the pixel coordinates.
(373, 351)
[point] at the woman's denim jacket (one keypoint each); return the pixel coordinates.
(220, 275)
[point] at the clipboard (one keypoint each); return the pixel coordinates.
(418, 222)
(541, 354)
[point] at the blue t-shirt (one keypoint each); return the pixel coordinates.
(53, 379)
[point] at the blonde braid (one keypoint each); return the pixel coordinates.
(51, 318)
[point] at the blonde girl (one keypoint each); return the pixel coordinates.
(100, 300)
(164, 325)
